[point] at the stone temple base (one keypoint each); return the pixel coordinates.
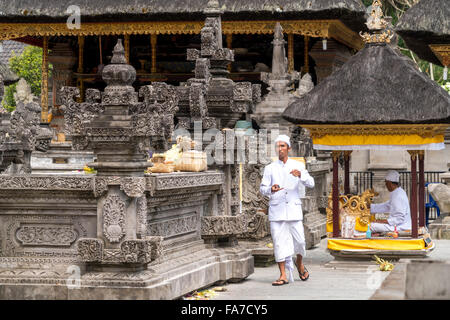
(440, 228)
(48, 221)
(187, 269)
(263, 255)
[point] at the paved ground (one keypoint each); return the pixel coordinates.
(328, 280)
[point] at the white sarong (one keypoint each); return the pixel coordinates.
(381, 227)
(288, 239)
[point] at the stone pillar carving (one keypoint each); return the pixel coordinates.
(120, 129)
(21, 133)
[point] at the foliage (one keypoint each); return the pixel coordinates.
(446, 86)
(395, 9)
(28, 65)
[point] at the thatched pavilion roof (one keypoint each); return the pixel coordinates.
(428, 22)
(351, 12)
(8, 76)
(375, 86)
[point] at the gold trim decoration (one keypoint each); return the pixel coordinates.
(357, 206)
(126, 44)
(290, 52)
(80, 82)
(153, 42)
(335, 155)
(306, 54)
(313, 28)
(423, 130)
(414, 154)
(377, 24)
(229, 39)
(442, 52)
(44, 83)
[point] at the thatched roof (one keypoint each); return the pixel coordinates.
(8, 76)
(375, 86)
(10, 46)
(350, 12)
(428, 22)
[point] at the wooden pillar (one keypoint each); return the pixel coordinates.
(44, 83)
(335, 195)
(229, 38)
(80, 69)
(413, 199)
(290, 52)
(153, 41)
(306, 53)
(347, 172)
(421, 189)
(127, 47)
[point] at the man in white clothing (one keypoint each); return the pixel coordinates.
(280, 183)
(397, 207)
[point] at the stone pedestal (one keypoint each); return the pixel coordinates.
(60, 158)
(440, 228)
(40, 247)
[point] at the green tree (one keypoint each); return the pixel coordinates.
(395, 9)
(28, 66)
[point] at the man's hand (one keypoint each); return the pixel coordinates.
(382, 221)
(296, 173)
(276, 188)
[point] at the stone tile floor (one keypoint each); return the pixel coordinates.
(328, 281)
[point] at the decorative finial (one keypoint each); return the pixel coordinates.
(213, 7)
(377, 24)
(119, 54)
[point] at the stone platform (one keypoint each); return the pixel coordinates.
(44, 218)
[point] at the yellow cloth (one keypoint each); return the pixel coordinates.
(360, 226)
(349, 140)
(376, 244)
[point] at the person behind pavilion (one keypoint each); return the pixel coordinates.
(398, 207)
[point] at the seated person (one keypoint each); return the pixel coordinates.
(397, 206)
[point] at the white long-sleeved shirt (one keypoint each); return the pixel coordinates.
(285, 205)
(398, 208)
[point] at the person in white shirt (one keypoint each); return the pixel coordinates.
(397, 207)
(280, 182)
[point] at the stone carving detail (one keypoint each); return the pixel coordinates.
(135, 251)
(50, 235)
(174, 227)
(140, 251)
(23, 134)
(45, 183)
(133, 187)
(187, 181)
(90, 250)
(31, 234)
(95, 123)
(114, 218)
(219, 226)
(141, 217)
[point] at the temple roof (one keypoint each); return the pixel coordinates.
(10, 46)
(350, 12)
(9, 77)
(428, 22)
(375, 86)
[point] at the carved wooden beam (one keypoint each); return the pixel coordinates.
(44, 84)
(313, 28)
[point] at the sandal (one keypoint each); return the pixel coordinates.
(303, 274)
(283, 282)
